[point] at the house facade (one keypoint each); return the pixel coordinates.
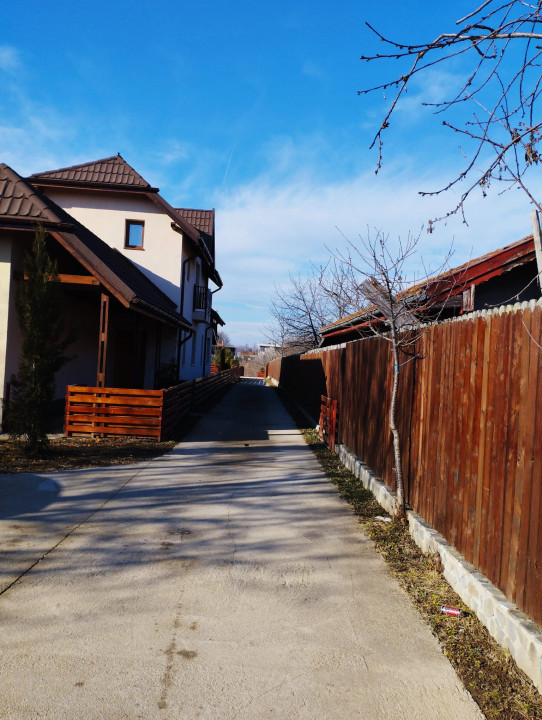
(136, 274)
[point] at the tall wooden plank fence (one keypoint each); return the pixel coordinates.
(470, 418)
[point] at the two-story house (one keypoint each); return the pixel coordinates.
(134, 270)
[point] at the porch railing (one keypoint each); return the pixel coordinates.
(114, 412)
(201, 297)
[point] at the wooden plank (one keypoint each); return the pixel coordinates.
(93, 430)
(533, 581)
(115, 410)
(116, 420)
(530, 427)
(79, 389)
(510, 456)
(526, 410)
(132, 401)
(464, 438)
(482, 428)
(471, 436)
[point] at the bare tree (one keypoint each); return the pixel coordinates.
(300, 310)
(394, 303)
(494, 108)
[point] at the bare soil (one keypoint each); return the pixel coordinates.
(69, 453)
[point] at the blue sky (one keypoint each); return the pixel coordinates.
(251, 108)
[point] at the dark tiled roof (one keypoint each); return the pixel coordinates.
(110, 172)
(22, 204)
(203, 220)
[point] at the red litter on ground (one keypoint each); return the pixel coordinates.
(449, 610)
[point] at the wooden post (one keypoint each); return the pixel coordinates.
(537, 236)
(102, 340)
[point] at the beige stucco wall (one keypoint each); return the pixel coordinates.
(5, 284)
(106, 214)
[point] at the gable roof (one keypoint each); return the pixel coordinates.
(449, 283)
(203, 220)
(20, 202)
(115, 174)
(112, 172)
(22, 206)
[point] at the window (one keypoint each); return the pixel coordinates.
(134, 234)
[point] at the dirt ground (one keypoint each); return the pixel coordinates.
(69, 453)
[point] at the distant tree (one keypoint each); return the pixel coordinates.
(377, 270)
(222, 338)
(494, 107)
(307, 304)
(38, 303)
(224, 357)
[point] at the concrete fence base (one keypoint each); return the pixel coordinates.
(505, 622)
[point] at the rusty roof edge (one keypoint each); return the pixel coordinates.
(471, 264)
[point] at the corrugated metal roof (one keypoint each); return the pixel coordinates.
(109, 172)
(468, 273)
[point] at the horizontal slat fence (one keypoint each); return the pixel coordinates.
(114, 412)
(470, 419)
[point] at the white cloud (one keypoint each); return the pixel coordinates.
(267, 230)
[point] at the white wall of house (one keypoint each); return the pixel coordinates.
(5, 285)
(161, 259)
(105, 213)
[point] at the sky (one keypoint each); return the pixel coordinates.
(252, 109)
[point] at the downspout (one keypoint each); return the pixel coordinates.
(181, 342)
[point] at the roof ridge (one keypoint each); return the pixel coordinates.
(112, 171)
(77, 165)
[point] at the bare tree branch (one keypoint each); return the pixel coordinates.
(503, 87)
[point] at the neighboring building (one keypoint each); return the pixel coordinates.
(268, 350)
(506, 275)
(134, 270)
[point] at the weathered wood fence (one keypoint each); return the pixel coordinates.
(142, 413)
(470, 419)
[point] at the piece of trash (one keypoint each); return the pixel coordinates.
(450, 610)
(382, 518)
(246, 444)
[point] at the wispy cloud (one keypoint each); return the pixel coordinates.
(267, 229)
(9, 59)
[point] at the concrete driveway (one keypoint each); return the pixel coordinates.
(224, 581)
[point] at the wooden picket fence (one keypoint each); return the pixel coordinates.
(117, 412)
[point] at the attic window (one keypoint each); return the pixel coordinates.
(134, 234)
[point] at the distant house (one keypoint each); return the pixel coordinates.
(135, 274)
(506, 275)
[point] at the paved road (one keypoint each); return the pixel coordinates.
(223, 581)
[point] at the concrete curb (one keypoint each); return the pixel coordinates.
(510, 627)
